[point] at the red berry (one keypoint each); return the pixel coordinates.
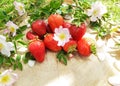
(30, 35)
(83, 47)
(48, 29)
(77, 32)
(50, 43)
(55, 21)
(70, 46)
(39, 27)
(37, 49)
(66, 25)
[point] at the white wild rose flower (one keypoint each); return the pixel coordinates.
(19, 7)
(7, 78)
(5, 47)
(11, 27)
(62, 35)
(96, 12)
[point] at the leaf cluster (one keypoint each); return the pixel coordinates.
(7, 62)
(62, 57)
(79, 11)
(41, 9)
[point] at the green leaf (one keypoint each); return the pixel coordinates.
(14, 42)
(93, 48)
(25, 60)
(21, 29)
(64, 60)
(20, 66)
(18, 58)
(62, 57)
(2, 14)
(8, 64)
(29, 56)
(1, 60)
(12, 60)
(15, 66)
(19, 36)
(22, 42)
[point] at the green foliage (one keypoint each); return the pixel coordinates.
(93, 49)
(7, 62)
(62, 57)
(27, 57)
(7, 12)
(79, 11)
(65, 9)
(21, 29)
(41, 9)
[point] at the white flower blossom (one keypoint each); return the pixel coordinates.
(19, 7)
(5, 47)
(12, 27)
(62, 35)
(96, 12)
(7, 78)
(114, 80)
(31, 63)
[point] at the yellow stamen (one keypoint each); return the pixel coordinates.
(95, 12)
(5, 79)
(21, 8)
(1, 46)
(12, 29)
(62, 36)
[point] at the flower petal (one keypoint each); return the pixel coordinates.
(11, 78)
(97, 10)
(19, 7)
(114, 80)
(93, 18)
(61, 35)
(10, 45)
(89, 12)
(6, 52)
(3, 38)
(31, 63)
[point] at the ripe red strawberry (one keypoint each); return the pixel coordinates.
(39, 27)
(48, 29)
(37, 49)
(66, 25)
(55, 21)
(77, 32)
(83, 47)
(50, 43)
(30, 35)
(70, 46)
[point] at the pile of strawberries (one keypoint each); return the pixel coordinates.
(42, 34)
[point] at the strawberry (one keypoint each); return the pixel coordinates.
(50, 43)
(55, 21)
(70, 46)
(83, 47)
(30, 35)
(77, 32)
(92, 44)
(37, 49)
(66, 25)
(39, 27)
(48, 29)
